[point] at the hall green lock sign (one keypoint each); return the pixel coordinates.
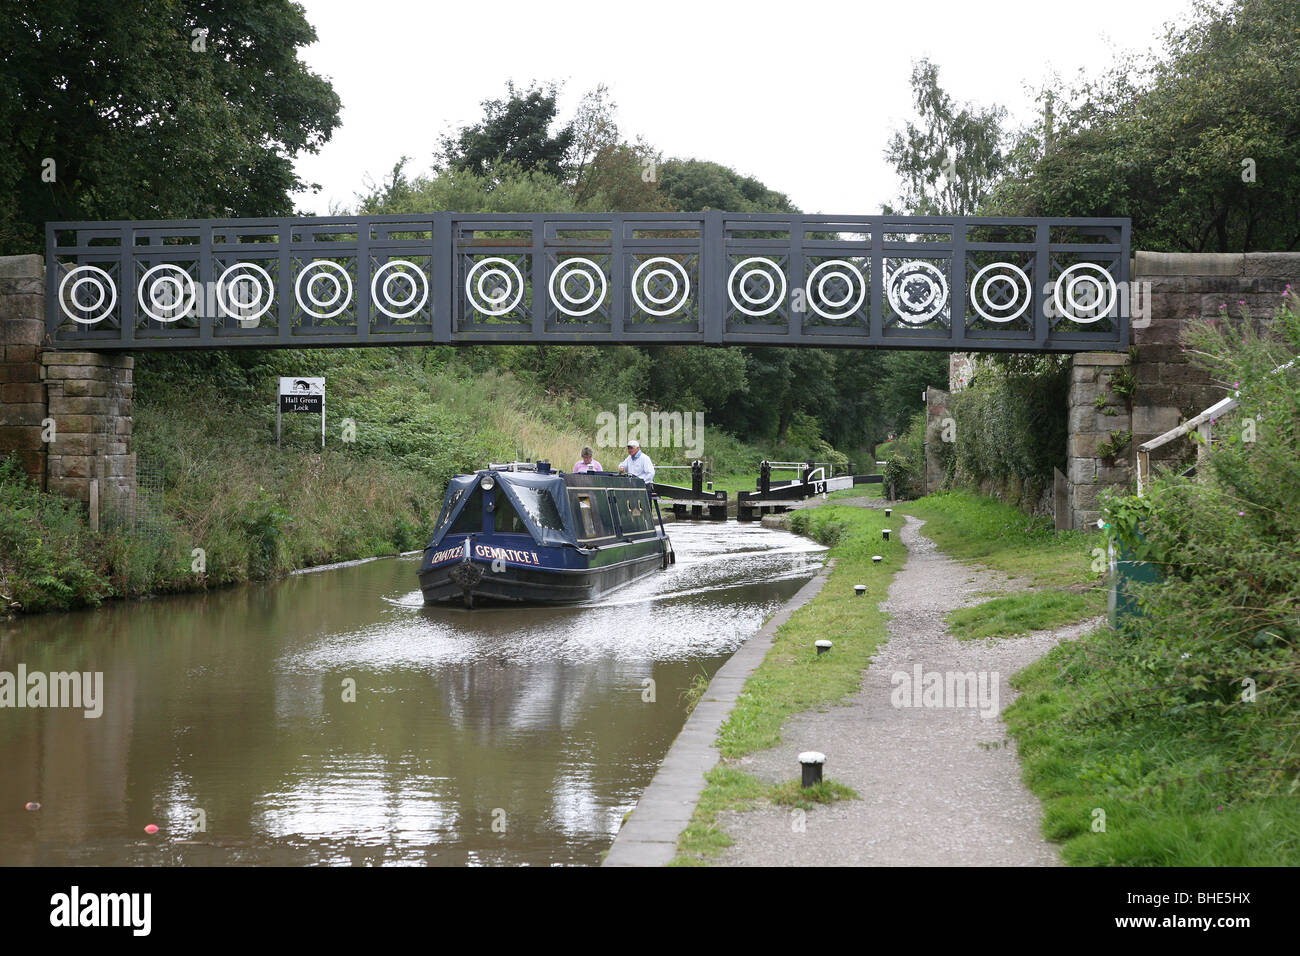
(301, 395)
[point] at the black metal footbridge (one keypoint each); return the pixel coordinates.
(712, 278)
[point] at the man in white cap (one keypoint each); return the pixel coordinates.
(638, 463)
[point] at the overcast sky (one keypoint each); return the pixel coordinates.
(801, 95)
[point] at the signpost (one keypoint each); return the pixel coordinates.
(301, 395)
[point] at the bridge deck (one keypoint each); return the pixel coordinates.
(969, 284)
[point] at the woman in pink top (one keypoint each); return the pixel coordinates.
(587, 462)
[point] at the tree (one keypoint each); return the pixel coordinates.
(949, 163)
(607, 173)
(906, 375)
(131, 111)
(1200, 146)
(694, 185)
(515, 130)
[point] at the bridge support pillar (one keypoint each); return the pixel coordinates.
(937, 437)
(22, 390)
(1100, 435)
(65, 415)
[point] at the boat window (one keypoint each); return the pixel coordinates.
(470, 521)
(636, 513)
(506, 519)
(584, 510)
(540, 507)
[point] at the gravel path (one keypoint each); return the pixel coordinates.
(939, 785)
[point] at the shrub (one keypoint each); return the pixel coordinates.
(1012, 422)
(48, 558)
(905, 466)
(1217, 642)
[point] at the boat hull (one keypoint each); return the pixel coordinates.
(476, 582)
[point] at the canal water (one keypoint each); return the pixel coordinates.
(332, 719)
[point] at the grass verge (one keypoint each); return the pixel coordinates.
(1062, 568)
(1013, 614)
(732, 789)
(793, 678)
(1155, 789)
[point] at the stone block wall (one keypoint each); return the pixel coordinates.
(1099, 420)
(89, 397)
(1168, 390)
(22, 389)
(65, 415)
(936, 410)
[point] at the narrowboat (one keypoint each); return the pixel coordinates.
(523, 533)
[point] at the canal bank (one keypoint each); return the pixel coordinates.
(779, 673)
(939, 777)
(649, 836)
(937, 784)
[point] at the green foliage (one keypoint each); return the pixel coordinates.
(1197, 145)
(820, 525)
(141, 126)
(515, 131)
(1020, 613)
(1184, 720)
(47, 558)
(904, 377)
(976, 528)
(792, 793)
(1178, 786)
(1123, 382)
(949, 164)
(905, 465)
(696, 185)
(1124, 517)
(1012, 424)
(1113, 444)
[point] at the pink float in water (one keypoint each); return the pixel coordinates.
(33, 805)
(151, 828)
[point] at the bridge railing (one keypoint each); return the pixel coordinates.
(648, 278)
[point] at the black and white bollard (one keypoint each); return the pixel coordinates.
(888, 512)
(884, 533)
(876, 559)
(823, 646)
(859, 589)
(811, 761)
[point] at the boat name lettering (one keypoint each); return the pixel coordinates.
(447, 554)
(509, 554)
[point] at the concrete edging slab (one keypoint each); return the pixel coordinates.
(649, 837)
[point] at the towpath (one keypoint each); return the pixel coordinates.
(939, 785)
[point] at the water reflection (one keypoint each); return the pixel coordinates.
(491, 736)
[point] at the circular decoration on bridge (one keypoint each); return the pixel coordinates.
(417, 288)
(322, 270)
(1101, 288)
(677, 294)
(231, 295)
(587, 272)
(762, 269)
(184, 292)
(507, 289)
(100, 282)
(917, 291)
(1010, 308)
(823, 301)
